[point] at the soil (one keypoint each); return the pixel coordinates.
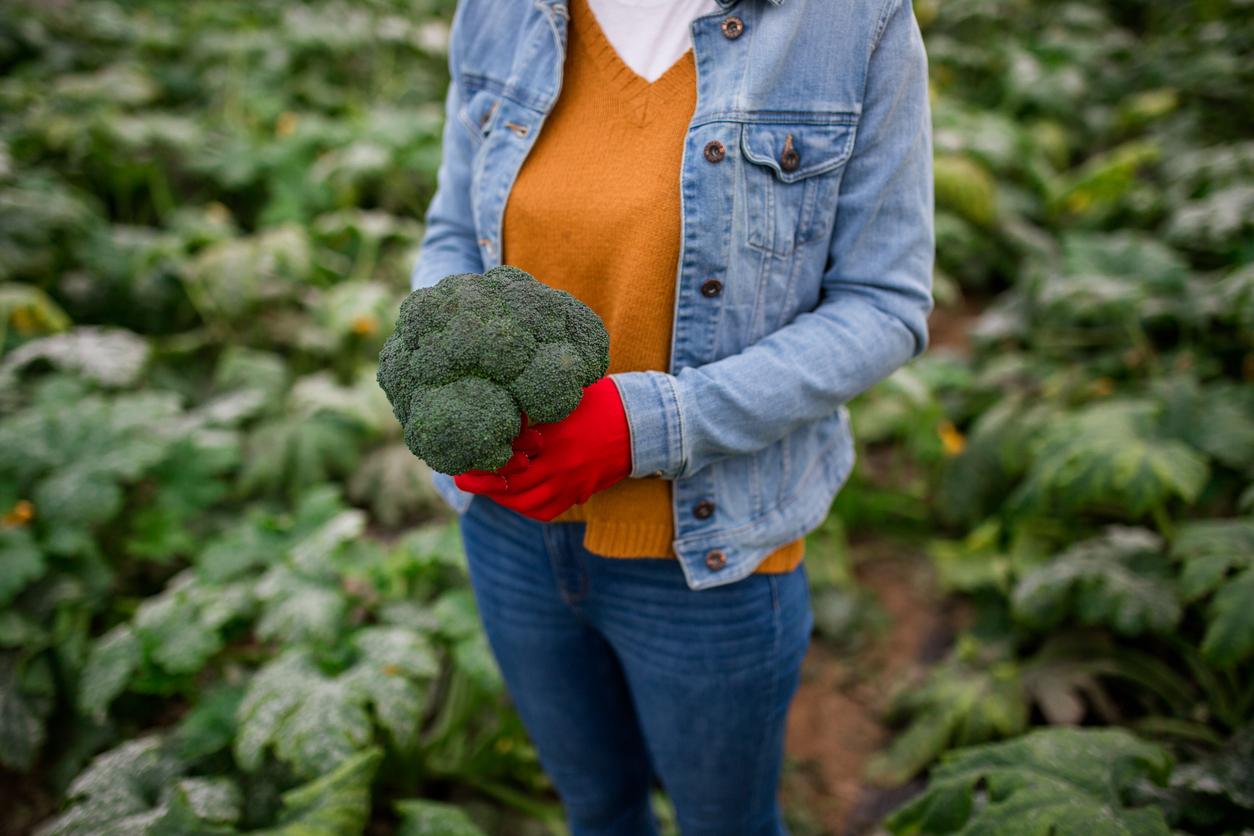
(949, 327)
(834, 725)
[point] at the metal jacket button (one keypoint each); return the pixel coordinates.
(715, 560)
(714, 151)
(711, 288)
(733, 28)
(703, 510)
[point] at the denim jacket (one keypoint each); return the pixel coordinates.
(805, 267)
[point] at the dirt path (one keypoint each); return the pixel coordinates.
(834, 725)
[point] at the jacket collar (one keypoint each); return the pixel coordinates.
(728, 3)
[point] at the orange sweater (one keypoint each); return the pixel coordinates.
(595, 211)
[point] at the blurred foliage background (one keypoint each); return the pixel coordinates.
(231, 603)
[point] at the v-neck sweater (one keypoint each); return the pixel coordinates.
(595, 210)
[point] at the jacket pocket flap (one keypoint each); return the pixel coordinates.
(795, 151)
(477, 111)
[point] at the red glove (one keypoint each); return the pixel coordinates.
(527, 445)
(586, 452)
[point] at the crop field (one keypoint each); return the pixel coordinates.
(231, 603)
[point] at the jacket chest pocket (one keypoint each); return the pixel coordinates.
(476, 112)
(791, 178)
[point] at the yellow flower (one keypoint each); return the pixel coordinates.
(364, 325)
(23, 321)
(218, 214)
(952, 440)
(285, 125)
(19, 515)
(1078, 201)
(1102, 387)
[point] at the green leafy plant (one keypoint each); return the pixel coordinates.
(1218, 563)
(972, 698)
(1053, 781)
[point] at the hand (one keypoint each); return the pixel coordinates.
(527, 445)
(586, 452)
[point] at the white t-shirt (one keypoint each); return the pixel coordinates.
(649, 35)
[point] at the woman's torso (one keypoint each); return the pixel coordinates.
(778, 96)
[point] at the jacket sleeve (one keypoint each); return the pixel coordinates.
(875, 298)
(449, 242)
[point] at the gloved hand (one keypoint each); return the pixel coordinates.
(586, 452)
(527, 444)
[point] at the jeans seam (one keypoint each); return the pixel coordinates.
(552, 550)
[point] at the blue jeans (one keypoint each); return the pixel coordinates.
(621, 673)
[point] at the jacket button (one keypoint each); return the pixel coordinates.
(733, 28)
(703, 510)
(711, 288)
(789, 159)
(714, 151)
(715, 560)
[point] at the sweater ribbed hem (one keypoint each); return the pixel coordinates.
(633, 539)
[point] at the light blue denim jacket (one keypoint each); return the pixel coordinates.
(824, 254)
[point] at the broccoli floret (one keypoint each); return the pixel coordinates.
(474, 352)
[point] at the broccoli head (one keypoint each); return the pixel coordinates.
(474, 352)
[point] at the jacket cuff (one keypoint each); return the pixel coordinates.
(651, 402)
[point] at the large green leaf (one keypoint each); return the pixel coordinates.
(114, 658)
(362, 402)
(299, 609)
(961, 702)
(210, 726)
(1120, 579)
(395, 667)
(966, 188)
(1218, 558)
(1229, 637)
(420, 817)
(1217, 419)
(138, 789)
(108, 356)
(394, 484)
(29, 309)
(1109, 457)
(335, 804)
(26, 700)
(1215, 793)
(1052, 782)
(181, 629)
(74, 453)
(190, 480)
(232, 278)
(21, 562)
(314, 722)
(292, 452)
(1098, 186)
(1210, 550)
(251, 544)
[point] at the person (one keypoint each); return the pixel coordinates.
(742, 190)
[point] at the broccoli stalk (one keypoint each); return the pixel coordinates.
(473, 353)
